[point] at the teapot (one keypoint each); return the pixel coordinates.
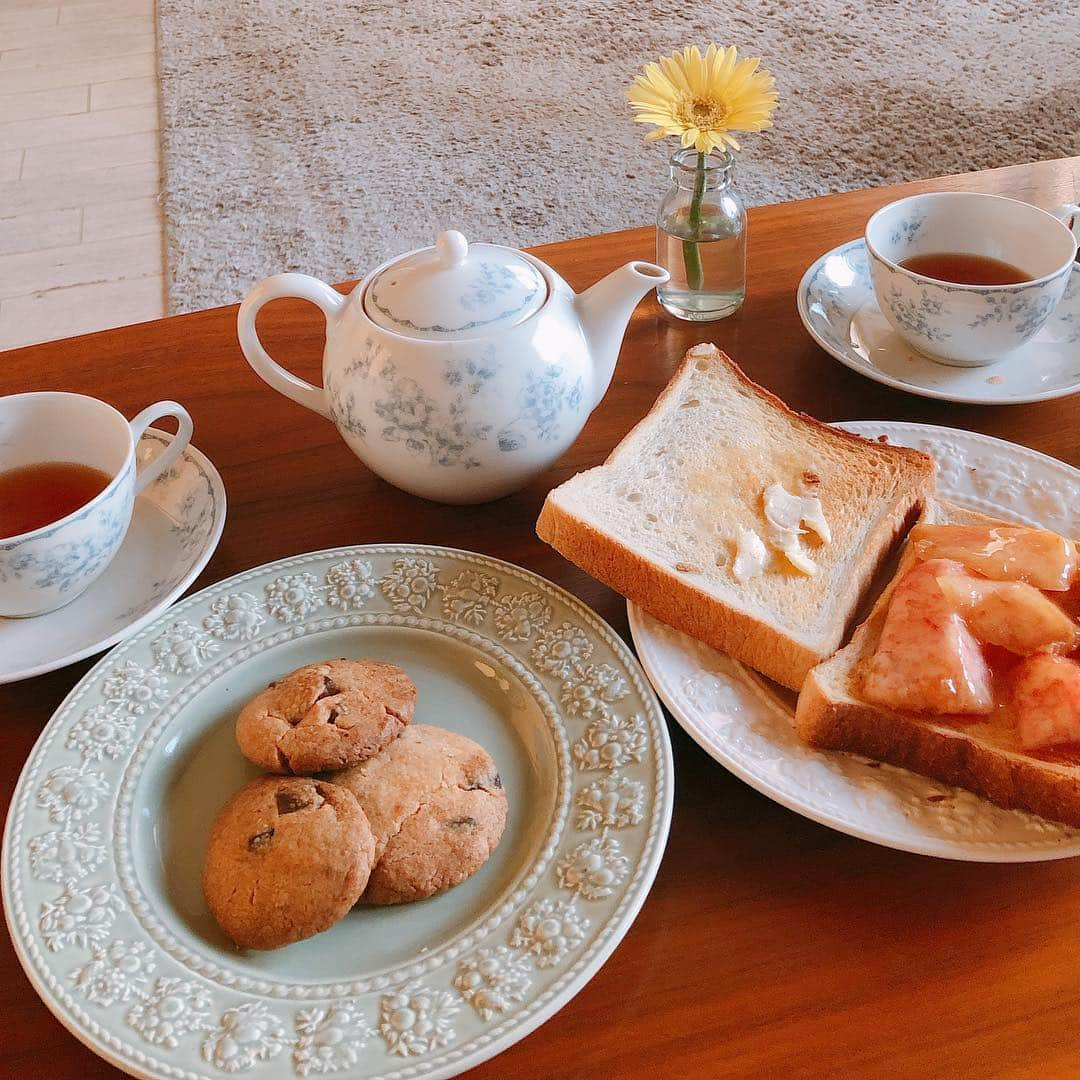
(461, 371)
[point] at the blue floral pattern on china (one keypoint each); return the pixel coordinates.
(446, 437)
(832, 276)
(448, 431)
(491, 282)
(905, 230)
(917, 315)
(1024, 309)
(344, 404)
(1027, 313)
(1067, 312)
(544, 397)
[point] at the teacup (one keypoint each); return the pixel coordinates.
(50, 566)
(969, 325)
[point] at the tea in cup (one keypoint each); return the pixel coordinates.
(68, 481)
(968, 278)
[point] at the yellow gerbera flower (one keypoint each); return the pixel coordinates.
(703, 99)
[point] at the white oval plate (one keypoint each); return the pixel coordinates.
(837, 306)
(745, 721)
(108, 825)
(175, 528)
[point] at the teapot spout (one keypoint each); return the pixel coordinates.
(605, 310)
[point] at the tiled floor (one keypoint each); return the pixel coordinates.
(80, 225)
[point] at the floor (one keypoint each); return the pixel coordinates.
(80, 225)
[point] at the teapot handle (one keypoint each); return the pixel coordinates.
(303, 287)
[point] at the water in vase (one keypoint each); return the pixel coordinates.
(723, 275)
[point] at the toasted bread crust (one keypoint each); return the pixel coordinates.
(710, 353)
(1011, 780)
(829, 717)
(916, 458)
(673, 597)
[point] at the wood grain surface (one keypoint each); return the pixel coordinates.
(769, 945)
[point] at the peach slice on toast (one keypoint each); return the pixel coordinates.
(927, 660)
(1040, 558)
(1012, 614)
(1046, 696)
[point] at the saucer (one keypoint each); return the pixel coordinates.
(837, 306)
(174, 530)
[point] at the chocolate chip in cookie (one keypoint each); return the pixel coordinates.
(288, 857)
(326, 716)
(437, 809)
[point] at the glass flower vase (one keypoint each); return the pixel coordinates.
(701, 238)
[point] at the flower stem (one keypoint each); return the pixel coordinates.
(695, 276)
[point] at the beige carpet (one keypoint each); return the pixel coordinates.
(324, 136)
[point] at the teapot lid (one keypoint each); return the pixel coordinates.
(455, 290)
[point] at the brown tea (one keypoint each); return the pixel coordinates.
(963, 269)
(35, 495)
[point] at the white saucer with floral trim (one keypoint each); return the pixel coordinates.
(837, 306)
(108, 825)
(745, 722)
(175, 528)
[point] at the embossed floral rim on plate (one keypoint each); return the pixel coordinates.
(102, 909)
(745, 722)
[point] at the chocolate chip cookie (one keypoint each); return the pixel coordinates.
(288, 857)
(326, 716)
(437, 809)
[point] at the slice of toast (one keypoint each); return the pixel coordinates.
(983, 757)
(659, 521)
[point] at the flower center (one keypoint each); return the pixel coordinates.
(402, 1019)
(702, 112)
(170, 1008)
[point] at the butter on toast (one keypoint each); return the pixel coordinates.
(663, 520)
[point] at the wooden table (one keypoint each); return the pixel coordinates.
(769, 944)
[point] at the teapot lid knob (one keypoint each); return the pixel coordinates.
(452, 248)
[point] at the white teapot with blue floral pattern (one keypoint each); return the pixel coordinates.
(458, 372)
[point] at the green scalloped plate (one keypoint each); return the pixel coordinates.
(106, 836)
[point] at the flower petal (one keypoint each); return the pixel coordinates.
(701, 98)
